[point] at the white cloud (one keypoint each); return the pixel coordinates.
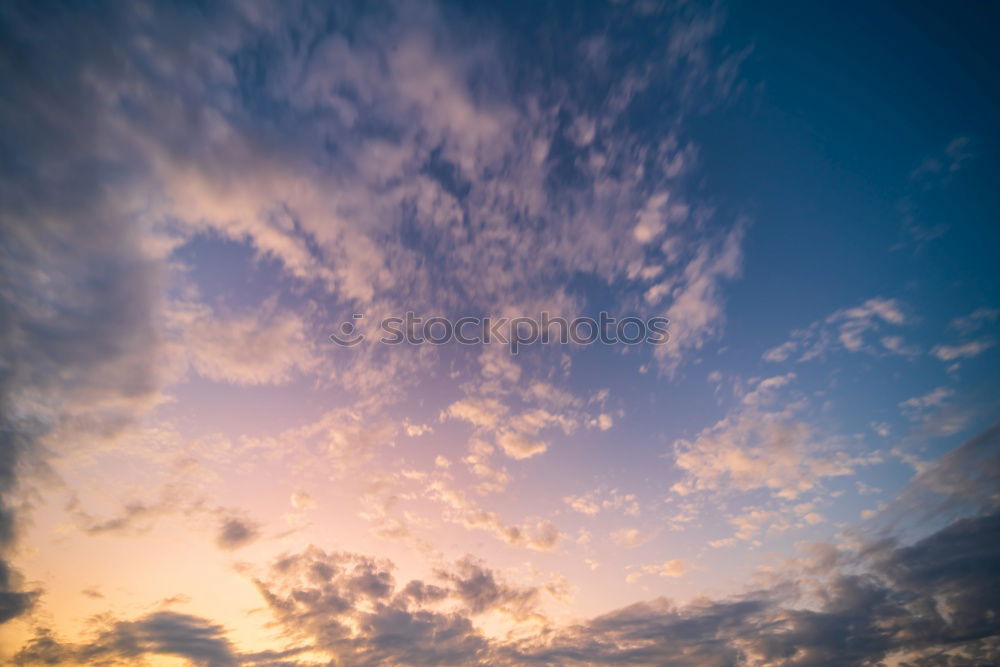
(651, 219)
(629, 538)
(975, 320)
(417, 430)
(849, 328)
(582, 130)
(854, 322)
(897, 345)
(963, 351)
(696, 311)
(484, 412)
(781, 352)
(582, 505)
(535, 534)
(303, 501)
(765, 390)
(263, 347)
(756, 449)
(603, 421)
(596, 501)
(671, 568)
(932, 399)
(518, 446)
(882, 428)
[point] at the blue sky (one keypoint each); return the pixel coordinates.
(196, 196)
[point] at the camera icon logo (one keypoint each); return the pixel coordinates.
(348, 336)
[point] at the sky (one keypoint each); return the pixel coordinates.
(194, 196)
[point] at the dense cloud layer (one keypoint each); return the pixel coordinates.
(79, 288)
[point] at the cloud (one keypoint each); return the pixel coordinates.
(897, 345)
(177, 494)
(535, 534)
(517, 434)
(929, 184)
(963, 351)
(81, 298)
(652, 220)
(671, 568)
(583, 505)
(480, 590)
(955, 154)
(604, 421)
(13, 600)
(349, 605)
(975, 320)
(630, 538)
(235, 532)
(754, 451)
(135, 518)
(483, 412)
(493, 479)
(337, 441)
(452, 154)
(592, 503)
(849, 328)
(301, 500)
(757, 447)
(696, 311)
(417, 430)
(932, 399)
(518, 446)
(781, 352)
(961, 482)
(163, 633)
(764, 391)
(937, 413)
(263, 347)
(914, 602)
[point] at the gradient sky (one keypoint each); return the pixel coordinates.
(195, 196)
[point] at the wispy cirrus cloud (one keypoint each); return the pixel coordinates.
(847, 328)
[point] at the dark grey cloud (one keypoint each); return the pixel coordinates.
(78, 293)
(13, 601)
(961, 482)
(349, 605)
(235, 532)
(134, 518)
(137, 517)
(939, 595)
(161, 633)
(479, 589)
(168, 633)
